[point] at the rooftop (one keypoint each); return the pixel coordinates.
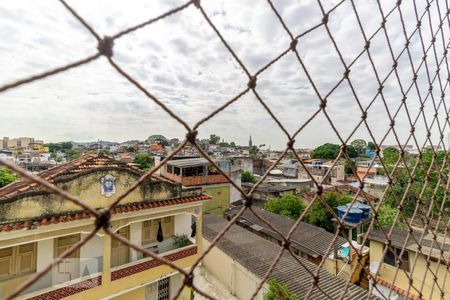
(257, 254)
(189, 162)
(341, 189)
(307, 238)
(268, 188)
(427, 244)
(84, 164)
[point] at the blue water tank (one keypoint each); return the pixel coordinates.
(354, 215)
(364, 207)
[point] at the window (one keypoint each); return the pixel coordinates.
(150, 229)
(120, 252)
(163, 289)
(391, 258)
(17, 260)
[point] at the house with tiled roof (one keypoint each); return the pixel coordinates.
(36, 226)
(241, 259)
(310, 242)
(409, 264)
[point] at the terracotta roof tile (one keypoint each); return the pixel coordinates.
(82, 164)
(85, 215)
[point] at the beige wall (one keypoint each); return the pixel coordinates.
(387, 273)
(239, 281)
(88, 189)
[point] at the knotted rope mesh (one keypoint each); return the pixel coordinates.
(433, 67)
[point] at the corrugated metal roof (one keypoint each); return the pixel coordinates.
(257, 254)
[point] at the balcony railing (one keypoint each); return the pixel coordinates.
(85, 283)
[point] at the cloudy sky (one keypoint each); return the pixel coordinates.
(182, 62)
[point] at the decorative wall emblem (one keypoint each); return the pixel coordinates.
(108, 185)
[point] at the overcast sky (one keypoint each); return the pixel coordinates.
(182, 62)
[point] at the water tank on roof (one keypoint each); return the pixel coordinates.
(354, 214)
(364, 207)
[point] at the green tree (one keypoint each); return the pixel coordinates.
(359, 145)
(386, 216)
(6, 177)
(326, 151)
(287, 205)
(253, 150)
(246, 176)
(320, 216)
(72, 154)
(214, 139)
(144, 161)
(278, 291)
(162, 142)
(371, 146)
(352, 152)
(233, 144)
(349, 166)
(390, 155)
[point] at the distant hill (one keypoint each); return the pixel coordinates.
(156, 137)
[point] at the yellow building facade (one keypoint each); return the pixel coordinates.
(36, 227)
(393, 278)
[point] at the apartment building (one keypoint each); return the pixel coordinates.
(37, 226)
(198, 172)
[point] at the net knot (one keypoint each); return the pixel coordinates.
(196, 3)
(286, 244)
(248, 201)
(104, 219)
(319, 191)
(412, 129)
(364, 115)
(191, 136)
(325, 19)
(105, 46)
(346, 73)
(290, 144)
(367, 45)
(323, 104)
(293, 45)
(189, 279)
(252, 82)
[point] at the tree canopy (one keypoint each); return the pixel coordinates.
(326, 151)
(57, 147)
(6, 177)
(144, 161)
(246, 176)
(278, 291)
(287, 205)
(214, 139)
(359, 145)
(390, 155)
(320, 216)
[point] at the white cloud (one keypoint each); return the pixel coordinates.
(182, 62)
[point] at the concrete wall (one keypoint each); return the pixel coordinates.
(87, 188)
(239, 281)
(220, 198)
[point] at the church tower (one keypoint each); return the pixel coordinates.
(250, 144)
